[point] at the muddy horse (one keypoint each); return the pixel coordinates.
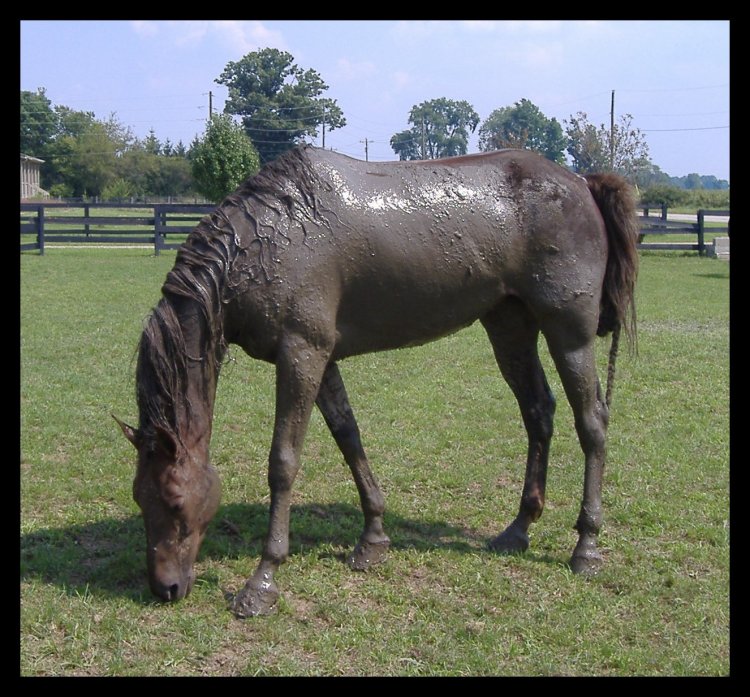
(319, 257)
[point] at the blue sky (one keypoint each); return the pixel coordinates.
(671, 76)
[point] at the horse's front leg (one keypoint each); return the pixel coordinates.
(333, 403)
(299, 369)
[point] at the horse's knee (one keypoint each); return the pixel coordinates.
(282, 468)
(540, 418)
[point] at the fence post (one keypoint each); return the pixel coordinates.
(701, 230)
(40, 228)
(158, 222)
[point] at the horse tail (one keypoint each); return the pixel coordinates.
(616, 201)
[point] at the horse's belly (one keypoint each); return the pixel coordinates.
(397, 315)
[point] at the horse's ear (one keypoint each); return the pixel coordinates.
(132, 434)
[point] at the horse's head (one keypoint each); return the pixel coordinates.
(178, 493)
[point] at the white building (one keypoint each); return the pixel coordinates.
(30, 178)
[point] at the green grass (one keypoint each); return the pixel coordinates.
(445, 439)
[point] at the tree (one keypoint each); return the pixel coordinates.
(440, 128)
(279, 102)
(39, 123)
(84, 153)
(152, 143)
(222, 159)
(587, 145)
(523, 126)
(622, 149)
(87, 163)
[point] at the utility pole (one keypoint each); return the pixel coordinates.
(210, 105)
(324, 128)
(612, 134)
(367, 159)
(424, 156)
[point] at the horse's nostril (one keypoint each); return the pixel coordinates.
(173, 592)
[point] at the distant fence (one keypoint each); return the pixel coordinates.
(660, 225)
(163, 225)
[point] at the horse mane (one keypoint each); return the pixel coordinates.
(225, 255)
(161, 372)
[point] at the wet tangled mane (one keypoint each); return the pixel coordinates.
(161, 373)
(230, 250)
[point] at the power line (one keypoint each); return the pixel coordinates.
(672, 130)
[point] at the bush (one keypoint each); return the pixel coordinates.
(118, 189)
(61, 191)
(692, 199)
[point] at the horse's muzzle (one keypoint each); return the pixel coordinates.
(170, 589)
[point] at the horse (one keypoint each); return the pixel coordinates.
(320, 257)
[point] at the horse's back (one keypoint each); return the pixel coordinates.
(407, 252)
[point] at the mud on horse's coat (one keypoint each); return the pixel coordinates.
(320, 257)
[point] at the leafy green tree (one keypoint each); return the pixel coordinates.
(139, 168)
(440, 128)
(222, 159)
(39, 123)
(152, 143)
(149, 174)
(523, 126)
(83, 156)
(622, 149)
(279, 102)
(173, 177)
(588, 146)
(86, 162)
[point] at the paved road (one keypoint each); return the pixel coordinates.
(694, 218)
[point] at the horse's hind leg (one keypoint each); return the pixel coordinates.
(574, 358)
(334, 405)
(513, 333)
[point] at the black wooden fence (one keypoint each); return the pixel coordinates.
(163, 225)
(655, 221)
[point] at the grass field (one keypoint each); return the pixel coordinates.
(445, 439)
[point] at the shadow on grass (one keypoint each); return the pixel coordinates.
(718, 276)
(107, 557)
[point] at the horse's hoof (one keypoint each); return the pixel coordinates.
(510, 541)
(367, 554)
(588, 564)
(586, 559)
(252, 601)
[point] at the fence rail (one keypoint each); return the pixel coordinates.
(661, 224)
(132, 223)
(165, 225)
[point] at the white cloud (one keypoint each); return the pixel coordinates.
(240, 36)
(247, 35)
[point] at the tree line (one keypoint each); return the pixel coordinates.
(273, 105)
